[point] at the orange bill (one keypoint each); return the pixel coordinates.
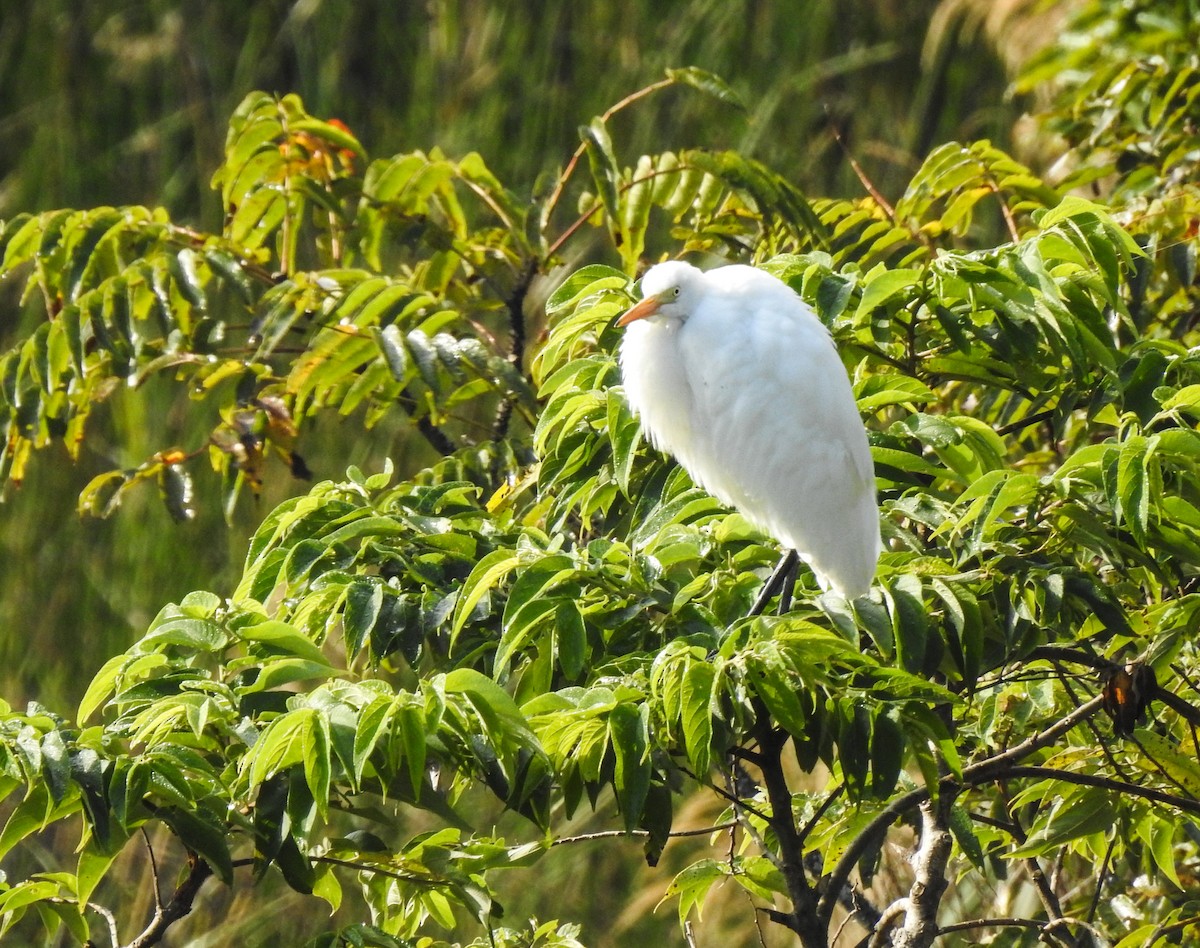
(647, 307)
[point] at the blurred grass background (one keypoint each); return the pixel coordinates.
(113, 102)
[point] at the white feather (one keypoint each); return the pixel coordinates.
(737, 378)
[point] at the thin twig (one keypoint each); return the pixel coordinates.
(825, 805)
(1101, 878)
(179, 905)
(1045, 890)
(984, 771)
(614, 834)
(380, 871)
(837, 933)
(560, 185)
(1107, 783)
(726, 795)
(158, 900)
(862, 175)
(109, 919)
(1091, 725)
(1029, 420)
(1156, 765)
(1164, 929)
(582, 219)
(991, 923)
(1009, 221)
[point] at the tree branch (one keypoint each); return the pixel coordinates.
(991, 768)
(841, 872)
(515, 305)
(560, 185)
(802, 920)
(1045, 891)
(1107, 783)
(887, 921)
(992, 923)
(932, 857)
(983, 771)
(109, 919)
(1101, 878)
(178, 906)
(641, 834)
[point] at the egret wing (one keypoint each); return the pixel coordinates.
(775, 429)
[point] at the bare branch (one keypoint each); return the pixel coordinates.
(932, 857)
(1101, 878)
(560, 185)
(993, 767)
(178, 906)
(515, 305)
(1107, 783)
(641, 834)
(1045, 890)
(984, 771)
(154, 875)
(993, 923)
(866, 182)
(109, 919)
(891, 916)
(1009, 221)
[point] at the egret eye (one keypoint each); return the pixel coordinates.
(675, 292)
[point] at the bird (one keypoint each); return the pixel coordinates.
(731, 372)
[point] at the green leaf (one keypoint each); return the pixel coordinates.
(486, 575)
(571, 638)
(910, 625)
(964, 835)
(201, 634)
(1167, 757)
(1136, 484)
(101, 687)
(691, 886)
(878, 391)
(881, 286)
(284, 743)
(760, 877)
(495, 706)
(606, 173)
(280, 637)
(391, 344)
(629, 730)
(695, 698)
(1079, 814)
(887, 754)
(1159, 836)
(364, 602)
(582, 283)
(92, 867)
(708, 83)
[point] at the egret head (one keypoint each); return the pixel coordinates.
(669, 289)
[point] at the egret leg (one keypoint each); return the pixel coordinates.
(782, 578)
(788, 585)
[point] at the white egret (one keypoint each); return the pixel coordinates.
(735, 376)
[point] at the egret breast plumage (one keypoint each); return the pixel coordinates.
(735, 376)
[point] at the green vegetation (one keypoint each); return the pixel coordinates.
(527, 633)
